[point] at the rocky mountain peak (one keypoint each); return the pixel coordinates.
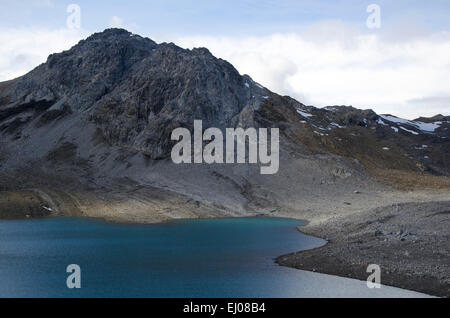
(134, 90)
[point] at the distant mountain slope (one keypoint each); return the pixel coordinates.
(379, 141)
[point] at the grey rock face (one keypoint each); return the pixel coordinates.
(133, 89)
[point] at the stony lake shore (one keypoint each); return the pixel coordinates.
(406, 233)
(409, 241)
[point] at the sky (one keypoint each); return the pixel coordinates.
(393, 58)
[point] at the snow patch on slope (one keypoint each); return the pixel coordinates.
(379, 121)
(410, 131)
(337, 125)
(427, 127)
(304, 114)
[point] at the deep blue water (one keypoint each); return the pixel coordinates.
(184, 258)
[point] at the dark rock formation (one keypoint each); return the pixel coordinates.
(133, 89)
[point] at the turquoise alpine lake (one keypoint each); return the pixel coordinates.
(182, 258)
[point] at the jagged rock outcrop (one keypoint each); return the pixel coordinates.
(135, 90)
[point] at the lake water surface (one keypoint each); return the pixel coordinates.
(184, 258)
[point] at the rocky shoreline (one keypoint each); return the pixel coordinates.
(409, 241)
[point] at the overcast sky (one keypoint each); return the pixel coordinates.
(320, 52)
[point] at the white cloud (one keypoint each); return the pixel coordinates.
(115, 22)
(407, 78)
(26, 48)
(343, 67)
(432, 104)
